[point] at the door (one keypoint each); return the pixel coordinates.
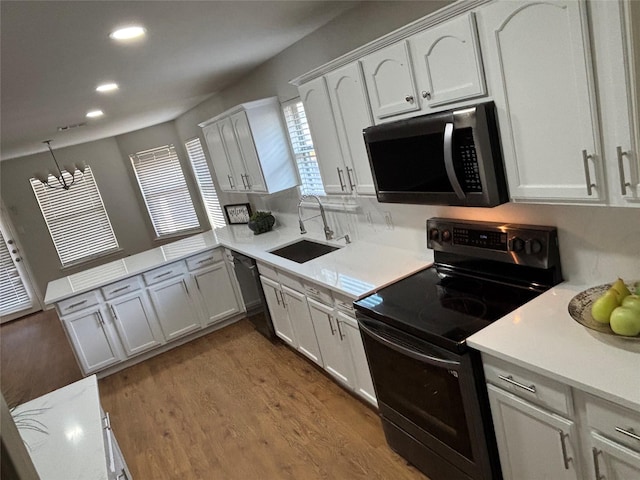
(216, 293)
(330, 339)
(253, 178)
(352, 114)
(92, 340)
(389, 78)
(533, 443)
(17, 295)
(279, 316)
(136, 322)
(362, 375)
(447, 62)
(538, 59)
(174, 308)
(612, 461)
(300, 318)
(219, 159)
(233, 153)
(317, 106)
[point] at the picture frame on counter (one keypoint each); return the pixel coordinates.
(238, 213)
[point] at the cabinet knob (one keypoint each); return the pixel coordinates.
(408, 99)
(426, 95)
(18, 259)
(10, 242)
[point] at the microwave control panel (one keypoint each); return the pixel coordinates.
(468, 161)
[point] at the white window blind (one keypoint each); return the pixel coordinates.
(13, 294)
(205, 182)
(303, 149)
(76, 218)
(164, 190)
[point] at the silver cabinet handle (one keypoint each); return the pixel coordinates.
(409, 98)
(342, 185)
(351, 184)
(448, 161)
(113, 310)
(333, 332)
(121, 289)
(100, 319)
(244, 185)
(596, 463)
(107, 421)
(123, 475)
(623, 183)
(284, 304)
(246, 176)
(197, 283)
(339, 330)
(565, 458)
(74, 305)
(277, 299)
(186, 287)
(509, 379)
(163, 274)
(587, 174)
(313, 291)
(426, 95)
(205, 260)
(628, 433)
(231, 184)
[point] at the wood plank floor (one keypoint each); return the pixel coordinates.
(231, 405)
(35, 357)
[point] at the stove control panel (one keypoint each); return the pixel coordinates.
(532, 245)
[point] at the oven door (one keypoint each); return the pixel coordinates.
(427, 392)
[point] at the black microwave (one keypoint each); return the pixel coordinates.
(446, 158)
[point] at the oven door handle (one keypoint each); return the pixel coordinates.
(448, 161)
(421, 357)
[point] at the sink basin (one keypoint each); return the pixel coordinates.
(303, 251)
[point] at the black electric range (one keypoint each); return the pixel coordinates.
(429, 384)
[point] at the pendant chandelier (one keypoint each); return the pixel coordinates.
(59, 177)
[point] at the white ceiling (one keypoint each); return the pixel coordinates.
(54, 54)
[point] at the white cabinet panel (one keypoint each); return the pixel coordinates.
(362, 375)
(216, 293)
(447, 62)
(174, 308)
(612, 461)
(279, 317)
(389, 79)
(136, 322)
(251, 177)
(538, 61)
(234, 156)
(219, 159)
(300, 318)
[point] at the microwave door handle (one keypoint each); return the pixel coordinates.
(448, 161)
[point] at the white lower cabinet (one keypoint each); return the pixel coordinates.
(612, 461)
(215, 292)
(174, 306)
(136, 322)
(279, 317)
(92, 339)
(298, 310)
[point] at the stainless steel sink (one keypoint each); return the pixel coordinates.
(303, 251)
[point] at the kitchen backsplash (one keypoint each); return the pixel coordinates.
(596, 243)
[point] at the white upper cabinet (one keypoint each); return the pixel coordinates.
(389, 79)
(317, 105)
(538, 64)
(249, 148)
(352, 114)
(447, 62)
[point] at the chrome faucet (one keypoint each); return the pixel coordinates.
(328, 233)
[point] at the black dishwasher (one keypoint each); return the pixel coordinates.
(252, 294)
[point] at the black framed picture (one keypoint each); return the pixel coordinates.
(237, 213)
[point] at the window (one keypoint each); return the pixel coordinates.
(205, 182)
(76, 218)
(13, 293)
(164, 190)
(303, 149)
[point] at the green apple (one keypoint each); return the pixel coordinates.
(625, 321)
(621, 288)
(604, 305)
(632, 301)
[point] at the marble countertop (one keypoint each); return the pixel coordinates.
(73, 446)
(544, 338)
(355, 269)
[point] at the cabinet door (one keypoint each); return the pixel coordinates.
(279, 317)
(233, 153)
(362, 375)
(300, 318)
(352, 114)
(317, 106)
(174, 308)
(533, 443)
(447, 62)
(389, 79)
(216, 293)
(253, 178)
(219, 159)
(538, 60)
(330, 339)
(612, 461)
(92, 340)
(136, 323)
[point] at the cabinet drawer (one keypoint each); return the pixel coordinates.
(267, 271)
(614, 421)
(204, 259)
(164, 273)
(344, 304)
(536, 388)
(79, 302)
(122, 287)
(318, 293)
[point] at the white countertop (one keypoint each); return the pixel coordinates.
(543, 337)
(355, 270)
(73, 446)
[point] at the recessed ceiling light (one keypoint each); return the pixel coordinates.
(107, 87)
(95, 113)
(128, 33)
